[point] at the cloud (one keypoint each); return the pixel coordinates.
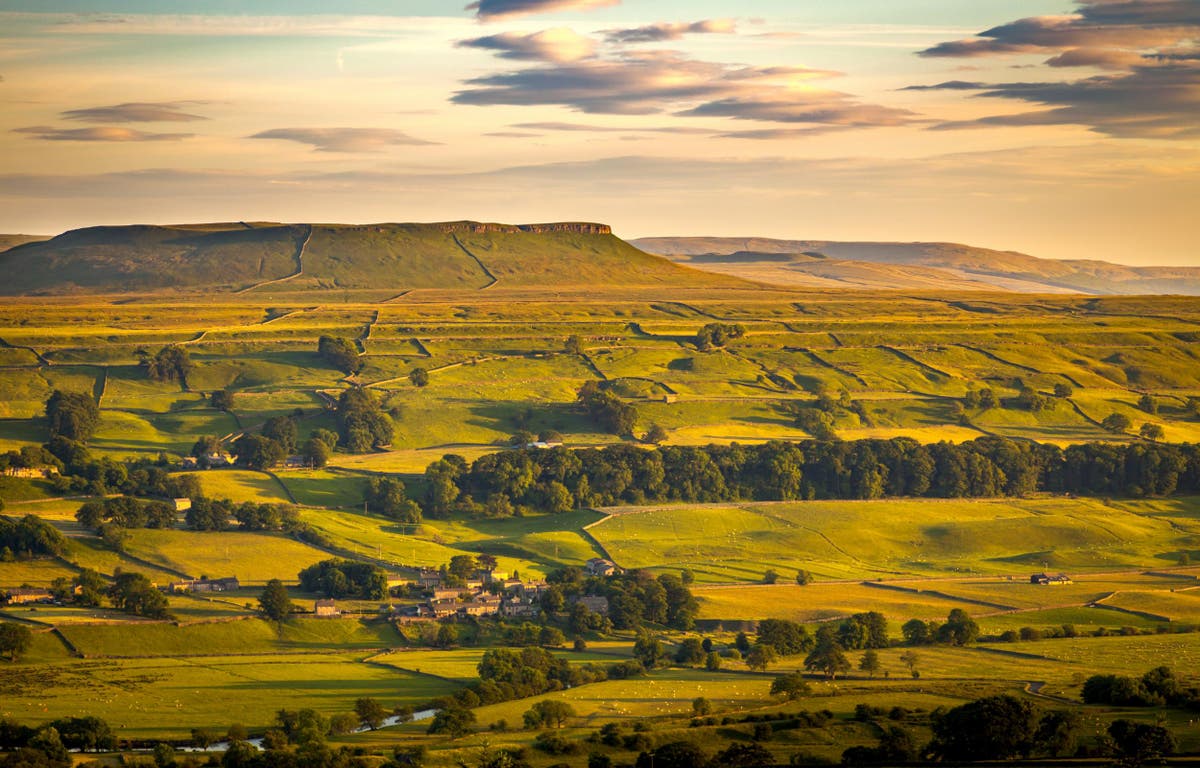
(559, 45)
(583, 128)
(658, 81)
(655, 33)
(98, 133)
(344, 139)
(493, 10)
(134, 112)
(1151, 48)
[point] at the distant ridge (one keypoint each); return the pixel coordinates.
(245, 257)
(914, 266)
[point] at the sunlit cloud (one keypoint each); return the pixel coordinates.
(348, 140)
(557, 45)
(655, 33)
(134, 112)
(98, 133)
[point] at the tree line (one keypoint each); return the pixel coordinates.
(558, 479)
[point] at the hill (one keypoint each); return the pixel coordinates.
(914, 266)
(256, 257)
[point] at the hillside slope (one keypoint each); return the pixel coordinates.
(914, 266)
(249, 257)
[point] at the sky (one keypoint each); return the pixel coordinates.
(1060, 128)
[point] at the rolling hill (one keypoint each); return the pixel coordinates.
(266, 257)
(914, 266)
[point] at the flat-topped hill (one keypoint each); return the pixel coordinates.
(258, 256)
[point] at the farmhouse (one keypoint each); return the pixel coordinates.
(28, 595)
(228, 584)
(598, 566)
(1046, 580)
(181, 505)
(326, 609)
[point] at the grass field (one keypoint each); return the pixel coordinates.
(873, 539)
(498, 364)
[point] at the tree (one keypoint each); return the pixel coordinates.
(740, 755)
(1116, 422)
(72, 415)
(370, 713)
(340, 353)
(916, 632)
(712, 662)
(274, 601)
(676, 754)
(222, 399)
(648, 650)
(803, 577)
(389, 497)
(771, 576)
(1148, 403)
(316, 452)
(701, 707)
(1134, 744)
(171, 363)
(419, 377)
(690, 652)
(133, 593)
(202, 738)
(992, 728)
(869, 663)
(257, 451)
(573, 345)
(1151, 431)
(453, 721)
(1057, 732)
(15, 639)
(760, 657)
(791, 686)
(1063, 390)
(959, 629)
(827, 657)
(656, 434)
(548, 713)
(282, 429)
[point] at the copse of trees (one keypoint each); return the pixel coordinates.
(779, 471)
(125, 512)
(220, 514)
(133, 593)
(715, 335)
(171, 363)
(28, 538)
(362, 423)
(608, 411)
(340, 353)
(388, 497)
(343, 578)
(72, 415)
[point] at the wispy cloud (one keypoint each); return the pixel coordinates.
(98, 133)
(554, 45)
(1151, 46)
(656, 33)
(135, 112)
(493, 10)
(348, 140)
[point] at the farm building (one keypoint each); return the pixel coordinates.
(229, 584)
(181, 505)
(1046, 580)
(326, 609)
(28, 595)
(598, 566)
